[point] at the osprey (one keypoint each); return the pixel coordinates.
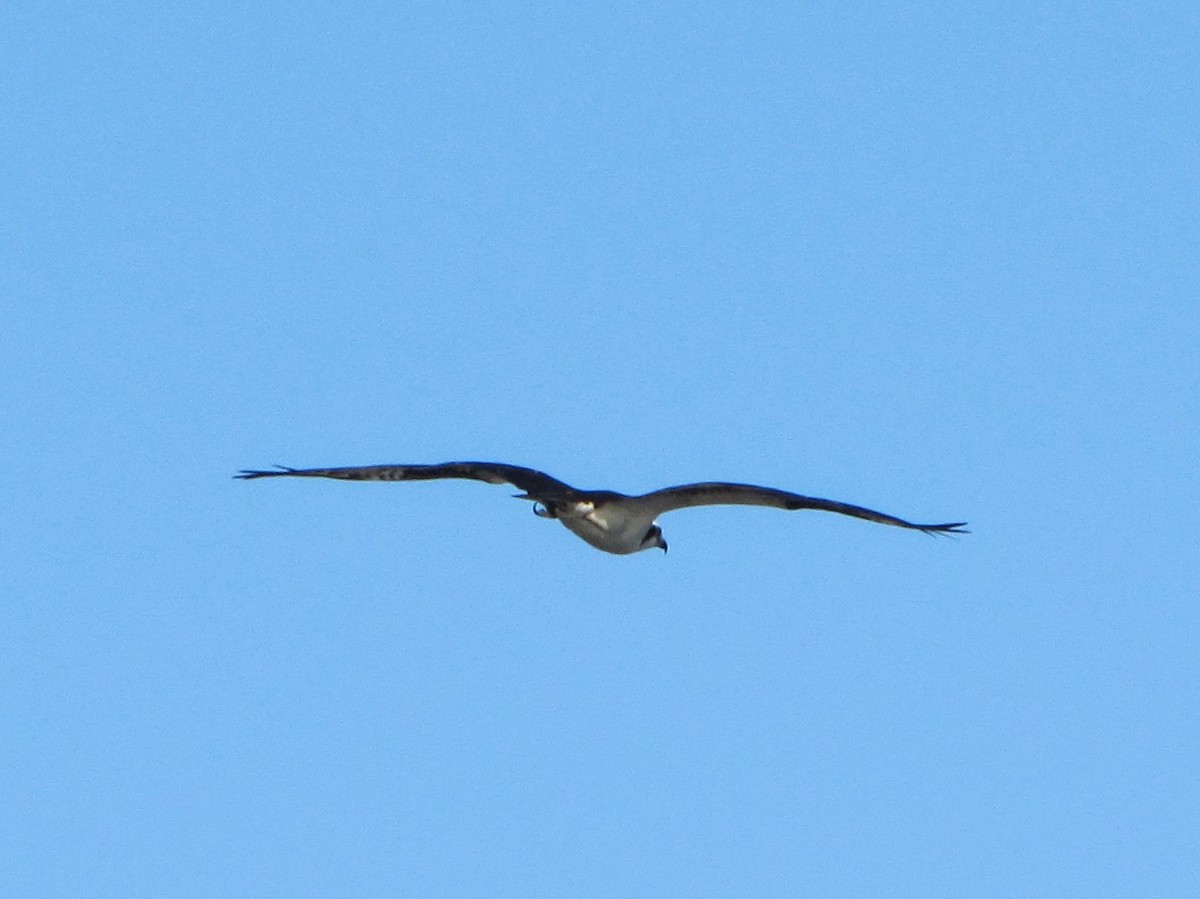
(609, 521)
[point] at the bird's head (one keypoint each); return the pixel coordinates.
(654, 538)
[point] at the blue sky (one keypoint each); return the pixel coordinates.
(933, 258)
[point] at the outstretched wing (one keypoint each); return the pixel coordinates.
(535, 483)
(723, 494)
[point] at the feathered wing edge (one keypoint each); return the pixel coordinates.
(527, 479)
(721, 494)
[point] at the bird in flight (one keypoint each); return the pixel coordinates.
(609, 521)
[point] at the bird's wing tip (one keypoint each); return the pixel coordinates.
(954, 527)
(249, 474)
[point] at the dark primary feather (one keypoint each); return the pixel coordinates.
(719, 493)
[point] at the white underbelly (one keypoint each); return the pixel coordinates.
(601, 533)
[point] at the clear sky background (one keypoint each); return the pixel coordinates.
(936, 258)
